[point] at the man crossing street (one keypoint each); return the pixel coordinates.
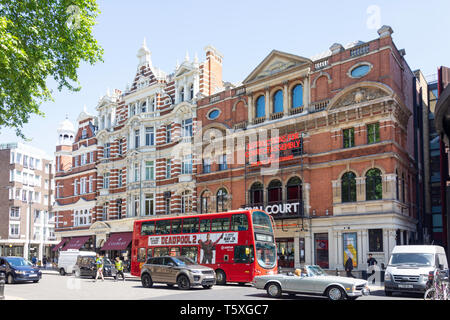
(119, 268)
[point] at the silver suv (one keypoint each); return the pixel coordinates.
(176, 270)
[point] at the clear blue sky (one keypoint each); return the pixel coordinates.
(244, 32)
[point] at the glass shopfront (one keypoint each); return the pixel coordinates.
(285, 252)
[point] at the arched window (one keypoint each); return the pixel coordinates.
(278, 102)
(182, 95)
(294, 190)
(260, 107)
(374, 189)
(274, 192)
(348, 187)
(221, 198)
(297, 96)
(191, 92)
(204, 202)
(256, 194)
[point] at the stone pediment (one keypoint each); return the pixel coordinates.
(274, 63)
(359, 94)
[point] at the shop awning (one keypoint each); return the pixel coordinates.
(117, 241)
(59, 245)
(76, 243)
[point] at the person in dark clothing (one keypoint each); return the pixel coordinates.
(371, 261)
(349, 267)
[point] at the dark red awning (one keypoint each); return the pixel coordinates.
(59, 245)
(117, 241)
(76, 243)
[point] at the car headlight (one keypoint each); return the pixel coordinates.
(195, 271)
(20, 272)
(423, 277)
(387, 277)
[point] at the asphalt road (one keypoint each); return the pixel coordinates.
(55, 287)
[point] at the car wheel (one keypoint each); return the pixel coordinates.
(221, 277)
(273, 290)
(10, 279)
(62, 272)
(146, 281)
(388, 293)
(207, 286)
(430, 294)
(335, 293)
(183, 282)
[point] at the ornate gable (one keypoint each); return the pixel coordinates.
(274, 63)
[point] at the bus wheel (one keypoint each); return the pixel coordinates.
(146, 281)
(221, 278)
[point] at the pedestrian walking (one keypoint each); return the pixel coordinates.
(119, 268)
(44, 262)
(99, 264)
(33, 260)
(349, 267)
(371, 262)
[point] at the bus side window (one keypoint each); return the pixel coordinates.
(149, 253)
(220, 224)
(243, 254)
(176, 226)
(239, 222)
(148, 228)
(190, 225)
(205, 225)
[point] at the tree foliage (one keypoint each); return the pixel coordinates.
(40, 40)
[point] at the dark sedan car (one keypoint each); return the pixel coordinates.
(17, 269)
(86, 267)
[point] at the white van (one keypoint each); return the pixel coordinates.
(68, 259)
(408, 267)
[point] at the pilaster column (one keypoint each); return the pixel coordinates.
(296, 251)
(361, 189)
(250, 108)
(286, 99)
(360, 250)
(340, 260)
(306, 198)
(267, 103)
(309, 249)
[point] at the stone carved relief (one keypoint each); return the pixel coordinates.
(359, 95)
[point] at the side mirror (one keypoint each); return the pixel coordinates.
(441, 267)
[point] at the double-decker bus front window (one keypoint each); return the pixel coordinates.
(266, 254)
(264, 240)
(261, 222)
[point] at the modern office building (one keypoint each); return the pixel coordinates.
(27, 223)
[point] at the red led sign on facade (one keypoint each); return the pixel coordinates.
(271, 149)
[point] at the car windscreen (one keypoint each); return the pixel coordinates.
(107, 261)
(315, 271)
(18, 262)
(183, 261)
(412, 259)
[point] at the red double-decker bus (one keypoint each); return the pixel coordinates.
(238, 245)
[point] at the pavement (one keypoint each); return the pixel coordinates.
(56, 272)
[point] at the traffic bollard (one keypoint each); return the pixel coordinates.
(2, 286)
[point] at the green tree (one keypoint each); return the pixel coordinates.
(40, 40)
